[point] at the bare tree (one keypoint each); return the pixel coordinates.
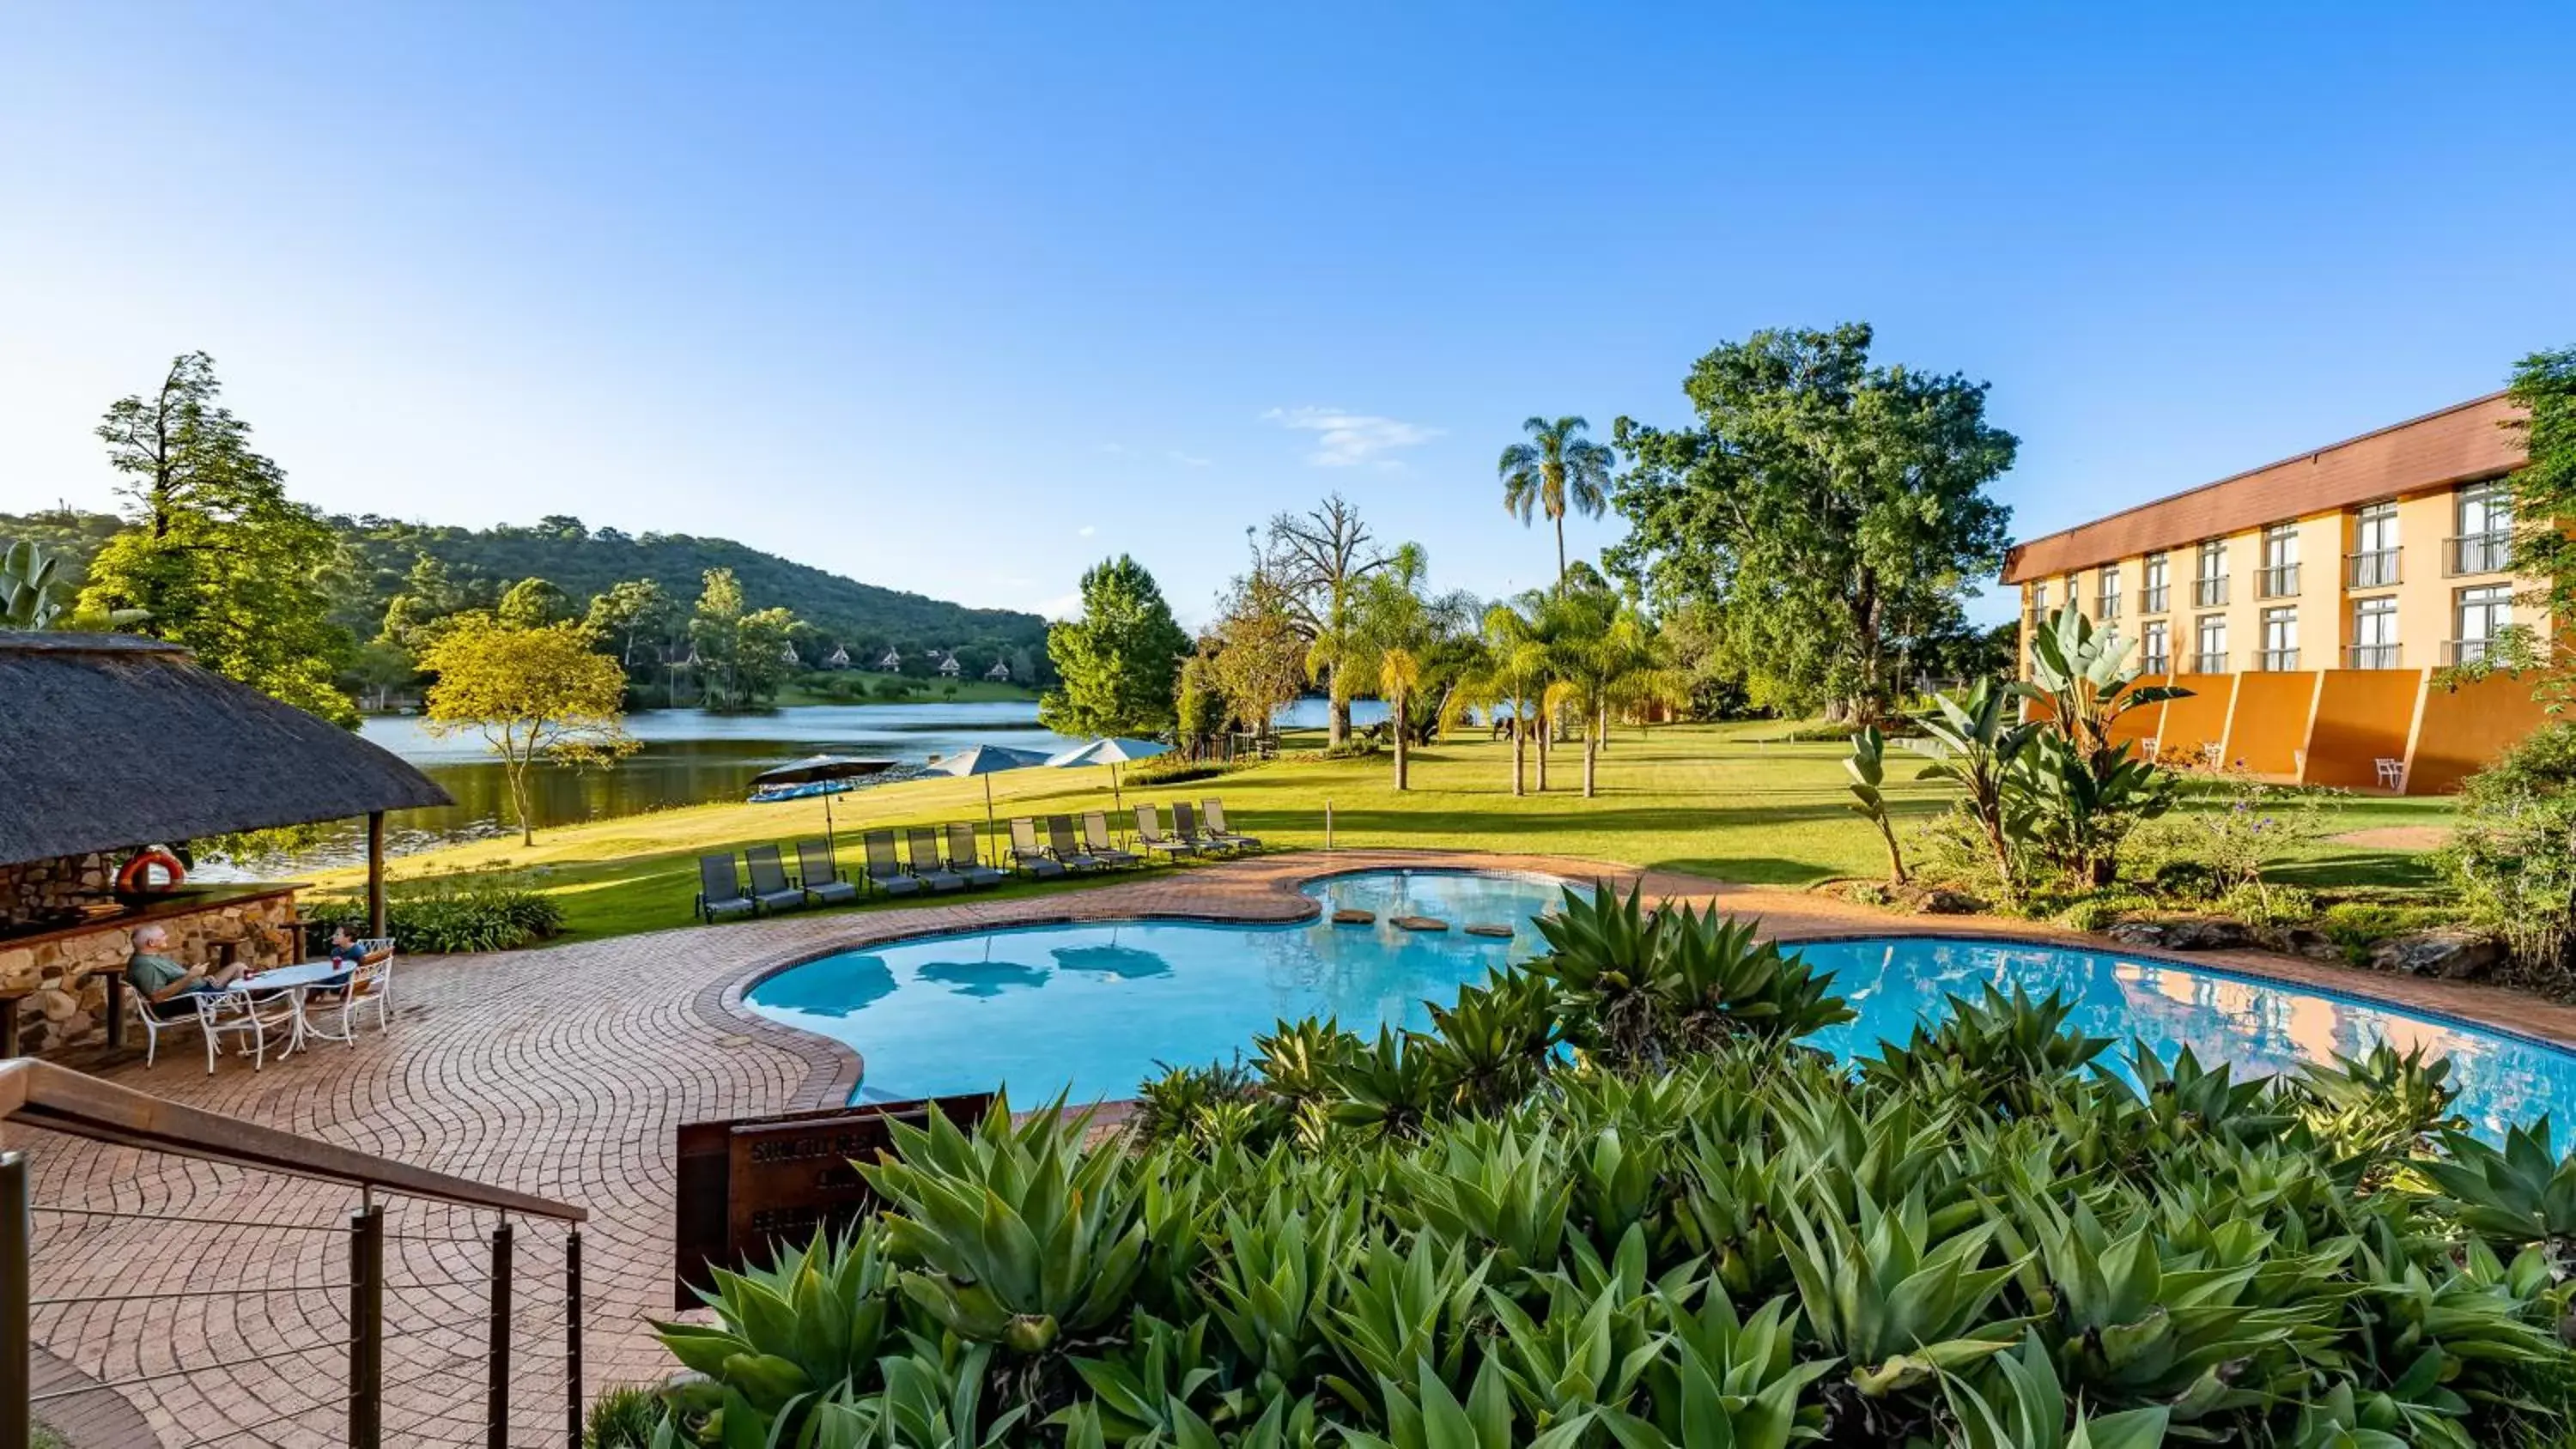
(1320, 556)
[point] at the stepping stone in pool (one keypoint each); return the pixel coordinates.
(1354, 918)
(1491, 931)
(1421, 923)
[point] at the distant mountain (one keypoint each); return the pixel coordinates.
(584, 561)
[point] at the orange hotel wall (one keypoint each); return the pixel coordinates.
(2269, 725)
(2363, 716)
(2187, 724)
(2459, 731)
(2140, 725)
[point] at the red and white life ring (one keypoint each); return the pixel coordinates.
(137, 877)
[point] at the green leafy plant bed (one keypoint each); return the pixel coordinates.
(452, 914)
(1606, 1201)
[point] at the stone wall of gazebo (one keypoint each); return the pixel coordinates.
(66, 970)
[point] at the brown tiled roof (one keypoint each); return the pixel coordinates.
(2438, 450)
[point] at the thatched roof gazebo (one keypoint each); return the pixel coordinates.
(110, 741)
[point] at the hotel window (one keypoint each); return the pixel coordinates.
(2209, 575)
(2374, 633)
(2075, 590)
(2211, 655)
(2151, 599)
(2157, 655)
(2280, 640)
(2485, 541)
(2373, 564)
(2481, 614)
(2280, 576)
(2106, 604)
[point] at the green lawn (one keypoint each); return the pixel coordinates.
(1713, 800)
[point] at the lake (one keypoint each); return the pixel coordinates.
(690, 757)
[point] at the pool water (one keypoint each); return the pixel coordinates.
(1092, 1008)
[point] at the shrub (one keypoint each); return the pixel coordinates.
(2512, 861)
(624, 1416)
(1984, 1239)
(1175, 769)
(453, 913)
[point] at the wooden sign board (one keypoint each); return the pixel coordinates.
(748, 1183)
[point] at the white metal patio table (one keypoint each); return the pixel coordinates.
(292, 982)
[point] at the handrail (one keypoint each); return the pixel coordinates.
(58, 1099)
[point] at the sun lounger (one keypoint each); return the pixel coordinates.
(967, 859)
(1027, 855)
(1064, 847)
(820, 874)
(720, 893)
(1149, 834)
(884, 871)
(1095, 838)
(925, 861)
(1212, 810)
(769, 883)
(1185, 825)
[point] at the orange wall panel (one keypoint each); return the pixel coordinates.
(2363, 717)
(2460, 731)
(2269, 725)
(2141, 724)
(2187, 724)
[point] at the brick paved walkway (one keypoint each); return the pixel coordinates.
(563, 1072)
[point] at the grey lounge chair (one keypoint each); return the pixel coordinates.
(1027, 855)
(769, 883)
(1185, 824)
(925, 861)
(1095, 838)
(884, 871)
(966, 858)
(1064, 847)
(820, 874)
(1212, 812)
(1149, 834)
(720, 893)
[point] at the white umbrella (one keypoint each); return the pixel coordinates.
(1112, 752)
(987, 760)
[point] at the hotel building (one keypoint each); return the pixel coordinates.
(2308, 605)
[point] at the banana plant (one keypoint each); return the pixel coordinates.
(1897, 1303)
(1976, 746)
(1013, 1235)
(1867, 766)
(2025, 1407)
(1725, 1382)
(2513, 1197)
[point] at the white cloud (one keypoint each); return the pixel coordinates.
(1063, 606)
(1346, 439)
(1188, 460)
(1086, 531)
(1115, 450)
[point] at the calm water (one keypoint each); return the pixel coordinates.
(1095, 1007)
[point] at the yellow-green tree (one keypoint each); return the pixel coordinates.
(535, 696)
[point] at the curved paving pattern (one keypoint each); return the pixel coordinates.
(564, 1072)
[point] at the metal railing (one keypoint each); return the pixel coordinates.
(2106, 607)
(2466, 651)
(2209, 663)
(2276, 661)
(211, 1302)
(2151, 599)
(2375, 569)
(2156, 664)
(2480, 553)
(2370, 656)
(2277, 581)
(2209, 593)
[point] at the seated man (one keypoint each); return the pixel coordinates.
(169, 988)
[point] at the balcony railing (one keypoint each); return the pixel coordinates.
(2374, 569)
(2466, 651)
(2157, 664)
(2276, 661)
(2209, 663)
(2151, 599)
(2370, 656)
(2481, 553)
(2278, 581)
(2106, 608)
(2209, 593)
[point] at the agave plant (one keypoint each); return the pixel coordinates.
(1397, 1313)
(1989, 1050)
(1269, 1278)
(1158, 1386)
(2381, 1108)
(1013, 1235)
(1716, 977)
(1724, 1382)
(1386, 1090)
(1430, 1416)
(1496, 1186)
(2518, 1195)
(1580, 1356)
(1488, 1048)
(1602, 953)
(2023, 1406)
(1897, 1303)
(787, 1336)
(2183, 1102)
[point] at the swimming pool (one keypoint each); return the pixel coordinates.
(1092, 1008)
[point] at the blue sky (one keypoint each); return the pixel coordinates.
(961, 298)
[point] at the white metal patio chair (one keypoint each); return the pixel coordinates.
(369, 986)
(186, 1012)
(246, 1012)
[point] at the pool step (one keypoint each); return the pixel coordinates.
(1354, 918)
(1420, 923)
(1499, 933)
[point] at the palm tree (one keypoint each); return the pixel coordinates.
(1604, 657)
(1396, 628)
(1558, 467)
(1511, 667)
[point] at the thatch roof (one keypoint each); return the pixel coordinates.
(109, 741)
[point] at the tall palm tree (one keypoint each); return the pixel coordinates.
(1556, 469)
(1397, 628)
(1604, 656)
(1511, 667)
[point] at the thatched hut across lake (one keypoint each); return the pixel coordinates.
(110, 743)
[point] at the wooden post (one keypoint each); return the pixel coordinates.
(17, 1429)
(376, 873)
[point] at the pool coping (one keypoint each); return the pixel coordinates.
(1269, 890)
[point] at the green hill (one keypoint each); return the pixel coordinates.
(583, 561)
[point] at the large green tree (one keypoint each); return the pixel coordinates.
(742, 651)
(2544, 488)
(216, 556)
(1554, 469)
(1824, 515)
(1119, 661)
(535, 694)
